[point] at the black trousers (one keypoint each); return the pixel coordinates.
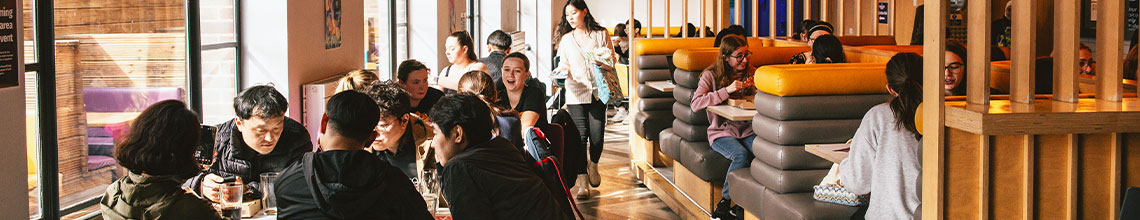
(591, 122)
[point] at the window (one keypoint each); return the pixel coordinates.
(385, 46)
(113, 59)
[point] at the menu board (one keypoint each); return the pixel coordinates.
(9, 76)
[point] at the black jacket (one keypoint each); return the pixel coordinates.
(232, 157)
(351, 185)
(494, 63)
(491, 181)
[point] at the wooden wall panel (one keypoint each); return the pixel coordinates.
(1131, 160)
(963, 163)
(1096, 158)
(1007, 177)
(1051, 172)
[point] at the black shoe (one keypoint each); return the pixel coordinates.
(723, 210)
(738, 212)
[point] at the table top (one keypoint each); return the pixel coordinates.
(831, 152)
(732, 112)
(441, 214)
(102, 119)
(664, 86)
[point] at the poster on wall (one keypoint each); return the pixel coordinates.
(8, 63)
(332, 24)
(883, 12)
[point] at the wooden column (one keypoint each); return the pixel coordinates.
(891, 17)
(649, 20)
(719, 16)
(859, 18)
(807, 9)
(629, 24)
(1109, 46)
(824, 6)
(1024, 50)
(772, 19)
(667, 24)
(685, 19)
(736, 8)
(978, 63)
(790, 24)
(1066, 44)
(933, 110)
(755, 18)
(701, 28)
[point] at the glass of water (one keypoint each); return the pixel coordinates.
(432, 201)
(231, 194)
(269, 199)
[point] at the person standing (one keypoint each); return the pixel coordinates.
(579, 37)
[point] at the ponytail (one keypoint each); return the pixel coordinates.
(904, 76)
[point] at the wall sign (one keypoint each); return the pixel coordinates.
(332, 24)
(883, 11)
(9, 76)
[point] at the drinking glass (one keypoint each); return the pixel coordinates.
(432, 201)
(231, 194)
(269, 199)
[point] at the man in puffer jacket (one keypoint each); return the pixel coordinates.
(259, 140)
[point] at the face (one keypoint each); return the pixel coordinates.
(445, 147)
(955, 71)
(514, 74)
(1088, 65)
(454, 51)
(389, 130)
(416, 85)
(814, 35)
(574, 16)
(261, 134)
(739, 58)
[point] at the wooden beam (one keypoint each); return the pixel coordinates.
(1024, 49)
(1030, 152)
(824, 6)
(840, 16)
(629, 24)
(1073, 176)
(807, 9)
(984, 173)
(667, 24)
(772, 19)
(736, 8)
(891, 17)
(700, 29)
(978, 63)
(755, 18)
(719, 16)
(933, 109)
(1110, 43)
(790, 24)
(1066, 41)
(685, 18)
(649, 19)
(1115, 175)
(859, 18)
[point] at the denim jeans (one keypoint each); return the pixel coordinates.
(739, 151)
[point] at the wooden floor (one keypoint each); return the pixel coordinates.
(621, 196)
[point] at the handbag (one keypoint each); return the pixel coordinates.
(831, 191)
(606, 85)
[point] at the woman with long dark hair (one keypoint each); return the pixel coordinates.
(954, 83)
(727, 77)
(827, 49)
(581, 43)
(460, 51)
(885, 152)
(159, 153)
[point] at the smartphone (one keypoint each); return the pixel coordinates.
(204, 153)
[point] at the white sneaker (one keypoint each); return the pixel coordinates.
(620, 115)
(592, 172)
(583, 191)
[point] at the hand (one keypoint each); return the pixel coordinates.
(211, 187)
(736, 86)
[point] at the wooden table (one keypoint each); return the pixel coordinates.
(664, 86)
(831, 152)
(732, 112)
(103, 119)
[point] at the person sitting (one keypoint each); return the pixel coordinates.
(413, 77)
(518, 95)
(506, 121)
(621, 37)
(343, 181)
(460, 51)
(827, 49)
(400, 133)
(821, 28)
(802, 33)
(259, 140)
(159, 153)
(498, 46)
(485, 177)
(955, 69)
(885, 157)
(1088, 64)
(730, 30)
(728, 77)
(356, 79)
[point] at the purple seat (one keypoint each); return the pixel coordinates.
(126, 99)
(94, 162)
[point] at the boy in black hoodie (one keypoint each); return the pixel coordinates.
(343, 181)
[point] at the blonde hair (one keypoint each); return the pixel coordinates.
(350, 80)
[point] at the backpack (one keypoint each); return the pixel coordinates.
(547, 165)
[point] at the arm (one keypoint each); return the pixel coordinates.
(856, 170)
(451, 81)
(528, 119)
(707, 94)
(479, 66)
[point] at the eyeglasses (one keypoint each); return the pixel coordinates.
(1087, 62)
(741, 56)
(954, 67)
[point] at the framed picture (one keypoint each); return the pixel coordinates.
(332, 24)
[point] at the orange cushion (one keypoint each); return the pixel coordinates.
(701, 58)
(660, 46)
(821, 79)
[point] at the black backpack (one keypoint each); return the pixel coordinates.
(547, 167)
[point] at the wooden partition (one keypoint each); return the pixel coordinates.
(1060, 156)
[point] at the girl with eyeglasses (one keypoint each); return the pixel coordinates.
(955, 69)
(729, 77)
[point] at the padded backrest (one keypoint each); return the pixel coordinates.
(821, 79)
(877, 54)
(700, 58)
(127, 99)
(668, 46)
(657, 31)
(867, 40)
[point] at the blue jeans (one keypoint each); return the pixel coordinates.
(739, 151)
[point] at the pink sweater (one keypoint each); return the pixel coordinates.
(705, 96)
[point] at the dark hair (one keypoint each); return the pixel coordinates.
(828, 49)
(161, 141)
(389, 97)
(353, 115)
(465, 110)
(464, 40)
(821, 26)
(619, 30)
(499, 40)
(692, 29)
(407, 67)
(730, 30)
(636, 24)
(956, 47)
(521, 56)
(1130, 64)
(262, 101)
(904, 76)
(564, 26)
(805, 26)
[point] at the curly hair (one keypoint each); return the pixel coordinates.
(389, 97)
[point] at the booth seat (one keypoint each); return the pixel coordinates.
(798, 105)
(657, 31)
(846, 40)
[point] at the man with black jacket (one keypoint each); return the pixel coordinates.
(485, 178)
(259, 140)
(343, 181)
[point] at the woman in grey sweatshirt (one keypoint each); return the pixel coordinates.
(885, 152)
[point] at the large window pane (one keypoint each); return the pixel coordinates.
(377, 17)
(219, 60)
